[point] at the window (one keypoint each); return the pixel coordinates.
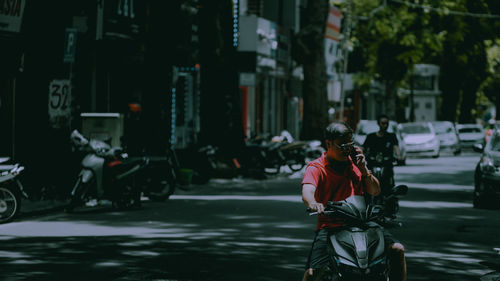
(416, 129)
(423, 83)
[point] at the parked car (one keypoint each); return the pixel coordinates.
(470, 134)
(487, 173)
(366, 127)
(448, 136)
(420, 139)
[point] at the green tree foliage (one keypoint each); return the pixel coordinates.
(391, 36)
(463, 60)
(491, 85)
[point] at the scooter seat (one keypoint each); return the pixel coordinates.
(4, 168)
(4, 159)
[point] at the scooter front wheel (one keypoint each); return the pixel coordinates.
(80, 193)
(10, 203)
(163, 191)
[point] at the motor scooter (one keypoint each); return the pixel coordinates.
(106, 174)
(357, 250)
(382, 168)
(11, 190)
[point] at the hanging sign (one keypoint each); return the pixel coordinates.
(59, 103)
(11, 15)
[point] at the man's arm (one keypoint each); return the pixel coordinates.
(372, 184)
(395, 148)
(397, 151)
(308, 191)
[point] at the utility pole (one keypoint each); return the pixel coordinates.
(345, 55)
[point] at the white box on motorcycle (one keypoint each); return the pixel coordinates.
(107, 127)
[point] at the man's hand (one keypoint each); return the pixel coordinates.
(317, 207)
(360, 161)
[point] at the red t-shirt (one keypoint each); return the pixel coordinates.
(332, 186)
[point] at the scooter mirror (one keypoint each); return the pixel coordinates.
(400, 190)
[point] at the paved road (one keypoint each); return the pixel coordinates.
(247, 230)
(444, 235)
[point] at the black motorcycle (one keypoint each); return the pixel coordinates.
(358, 250)
(11, 190)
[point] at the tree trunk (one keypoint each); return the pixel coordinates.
(311, 54)
(451, 77)
(450, 95)
(390, 99)
(468, 102)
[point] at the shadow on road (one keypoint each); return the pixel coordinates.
(207, 241)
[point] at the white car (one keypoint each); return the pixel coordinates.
(366, 127)
(470, 134)
(448, 136)
(420, 139)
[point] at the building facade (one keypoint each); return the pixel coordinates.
(64, 58)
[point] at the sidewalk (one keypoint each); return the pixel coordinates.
(284, 183)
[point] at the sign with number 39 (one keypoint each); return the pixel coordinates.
(59, 103)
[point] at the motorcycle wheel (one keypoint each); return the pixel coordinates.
(129, 197)
(296, 166)
(295, 160)
(163, 192)
(10, 203)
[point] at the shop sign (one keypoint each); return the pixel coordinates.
(247, 79)
(59, 103)
(11, 15)
(333, 24)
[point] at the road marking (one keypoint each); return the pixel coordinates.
(437, 186)
(287, 198)
(433, 204)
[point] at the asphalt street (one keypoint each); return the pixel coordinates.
(245, 229)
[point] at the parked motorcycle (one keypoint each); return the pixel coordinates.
(281, 151)
(11, 190)
(106, 173)
(493, 265)
(357, 251)
(314, 149)
(203, 163)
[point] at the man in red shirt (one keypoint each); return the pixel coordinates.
(334, 177)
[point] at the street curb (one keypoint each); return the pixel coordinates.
(34, 208)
